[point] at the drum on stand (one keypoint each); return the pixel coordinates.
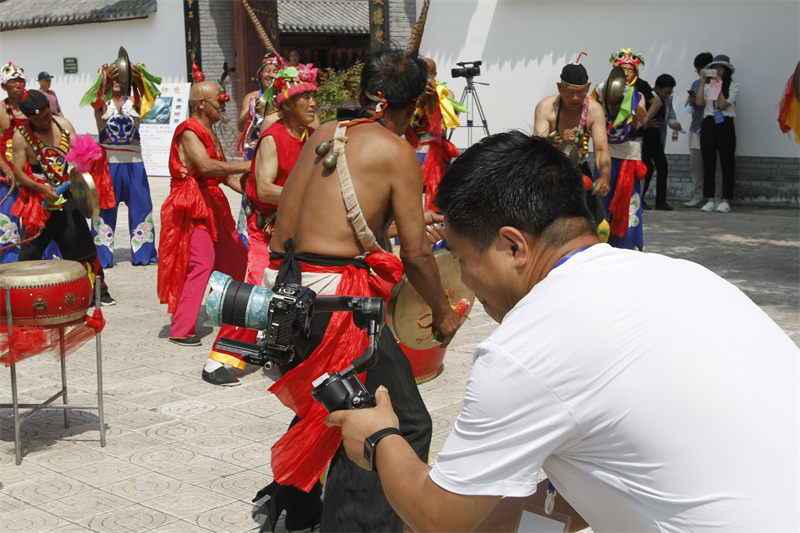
(407, 314)
(45, 293)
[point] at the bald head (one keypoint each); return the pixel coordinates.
(204, 90)
(431, 67)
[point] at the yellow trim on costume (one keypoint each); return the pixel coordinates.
(226, 359)
(449, 116)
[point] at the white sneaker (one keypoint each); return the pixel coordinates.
(692, 203)
(708, 207)
(723, 207)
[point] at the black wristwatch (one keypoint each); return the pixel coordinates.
(372, 441)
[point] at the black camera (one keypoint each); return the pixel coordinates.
(467, 69)
(283, 317)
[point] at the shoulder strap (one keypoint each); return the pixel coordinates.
(354, 214)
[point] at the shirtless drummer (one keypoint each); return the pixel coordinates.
(569, 119)
(381, 173)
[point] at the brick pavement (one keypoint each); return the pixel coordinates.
(183, 455)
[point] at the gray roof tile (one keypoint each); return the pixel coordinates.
(323, 16)
(19, 14)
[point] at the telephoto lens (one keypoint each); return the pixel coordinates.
(236, 303)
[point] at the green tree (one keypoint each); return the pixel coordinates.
(337, 88)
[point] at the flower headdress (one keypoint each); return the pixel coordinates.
(291, 81)
(270, 58)
(13, 72)
(626, 57)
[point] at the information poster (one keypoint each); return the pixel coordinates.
(156, 128)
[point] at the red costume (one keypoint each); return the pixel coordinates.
(194, 216)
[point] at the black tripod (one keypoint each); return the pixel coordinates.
(470, 99)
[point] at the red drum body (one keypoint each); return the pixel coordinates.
(45, 293)
(425, 364)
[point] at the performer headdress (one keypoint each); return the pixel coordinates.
(32, 102)
(291, 81)
(270, 58)
(626, 57)
(13, 72)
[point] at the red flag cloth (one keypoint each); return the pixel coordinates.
(27, 341)
(28, 206)
(440, 152)
(301, 455)
(789, 111)
(102, 180)
(629, 170)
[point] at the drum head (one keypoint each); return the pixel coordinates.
(407, 308)
(39, 273)
(84, 193)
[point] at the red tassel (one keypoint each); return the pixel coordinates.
(97, 322)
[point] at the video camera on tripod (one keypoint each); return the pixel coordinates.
(282, 316)
(467, 69)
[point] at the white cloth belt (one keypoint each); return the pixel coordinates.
(627, 150)
(123, 153)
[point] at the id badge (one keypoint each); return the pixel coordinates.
(719, 118)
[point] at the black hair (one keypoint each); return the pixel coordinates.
(398, 76)
(32, 102)
(727, 78)
(665, 80)
(702, 59)
(512, 179)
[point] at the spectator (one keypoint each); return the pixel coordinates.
(717, 132)
(45, 79)
(662, 116)
(695, 156)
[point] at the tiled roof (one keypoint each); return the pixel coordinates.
(19, 14)
(323, 16)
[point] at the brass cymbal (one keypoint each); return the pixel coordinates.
(85, 194)
(123, 64)
(615, 87)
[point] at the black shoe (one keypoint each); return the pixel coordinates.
(646, 206)
(663, 206)
(221, 376)
(194, 340)
(105, 299)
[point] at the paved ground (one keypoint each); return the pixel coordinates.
(183, 455)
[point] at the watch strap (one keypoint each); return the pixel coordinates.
(371, 442)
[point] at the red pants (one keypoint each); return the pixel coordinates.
(258, 253)
(227, 255)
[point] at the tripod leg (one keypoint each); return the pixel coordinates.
(462, 102)
(481, 114)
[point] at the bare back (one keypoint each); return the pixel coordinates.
(387, 180)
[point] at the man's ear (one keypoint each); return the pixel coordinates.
(516, 243)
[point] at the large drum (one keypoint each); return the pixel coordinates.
(407, 314)
(45, 293)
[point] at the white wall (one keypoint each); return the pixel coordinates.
(525, 43)
(156, 41)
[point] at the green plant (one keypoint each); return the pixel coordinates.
(337, 88)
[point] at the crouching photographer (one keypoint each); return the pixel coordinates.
(638, 419)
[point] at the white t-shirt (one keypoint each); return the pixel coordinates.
(654, 394)
(730, 111)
